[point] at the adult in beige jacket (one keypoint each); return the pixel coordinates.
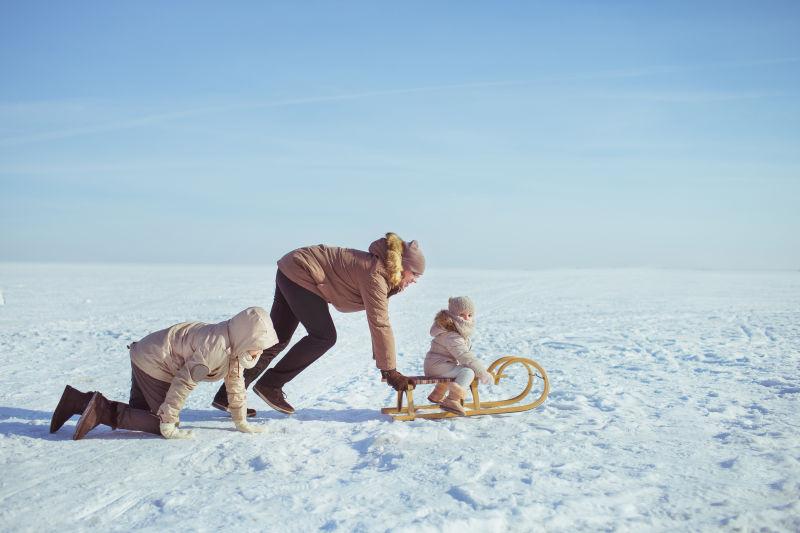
(307, 281)
(167, 365)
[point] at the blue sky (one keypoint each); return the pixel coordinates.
(500, 135)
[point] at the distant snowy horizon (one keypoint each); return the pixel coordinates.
(272, 265)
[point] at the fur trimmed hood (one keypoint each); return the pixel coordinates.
(389, 250)
(444, 321)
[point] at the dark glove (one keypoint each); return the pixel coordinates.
(397, 380)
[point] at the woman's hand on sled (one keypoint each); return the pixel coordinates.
(244, 427)
(485, 378)
(170, 431)
(397, 380)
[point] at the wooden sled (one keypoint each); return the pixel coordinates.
(475, 407)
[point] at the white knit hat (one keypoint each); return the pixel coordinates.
(457, 305)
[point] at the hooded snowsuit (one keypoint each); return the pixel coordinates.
(451, 353)
(187, 353)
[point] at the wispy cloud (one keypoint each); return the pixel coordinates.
(684, 97)
(158, 118)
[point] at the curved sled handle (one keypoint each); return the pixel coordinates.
(497, 370)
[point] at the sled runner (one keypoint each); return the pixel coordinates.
(536, 377)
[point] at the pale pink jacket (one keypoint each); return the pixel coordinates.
(449, 349)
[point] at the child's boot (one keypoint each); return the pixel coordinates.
(72, 402)
(98, 411)
(438, 393)
(452, 403)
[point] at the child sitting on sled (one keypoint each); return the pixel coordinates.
(451, 355)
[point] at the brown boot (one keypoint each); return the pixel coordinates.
(452, 403)
(438, 393)
(72, 402)
(98, 411)
(274, 397)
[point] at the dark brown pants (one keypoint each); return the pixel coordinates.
(147, 395)
(291, 306)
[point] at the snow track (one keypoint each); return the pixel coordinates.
(673, 406)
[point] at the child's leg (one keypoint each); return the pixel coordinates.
(153, 391)
(128, 417)
(147, 395)
(438, 392)
(137, 399)
(100, 410)
(464, 376)
(442, 369)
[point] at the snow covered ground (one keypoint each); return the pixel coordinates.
(674, 406)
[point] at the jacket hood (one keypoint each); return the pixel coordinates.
(437, 330)
(251, 330)
(379, 248)
(444, 321)
(389, 250)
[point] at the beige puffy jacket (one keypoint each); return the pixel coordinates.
(190, 352)
(352, 280)
(449, 348)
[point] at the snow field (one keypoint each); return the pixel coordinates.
(673, 407)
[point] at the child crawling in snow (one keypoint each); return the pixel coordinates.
(451, 355)
(166, 366)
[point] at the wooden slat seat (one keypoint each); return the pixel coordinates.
(425, 380)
